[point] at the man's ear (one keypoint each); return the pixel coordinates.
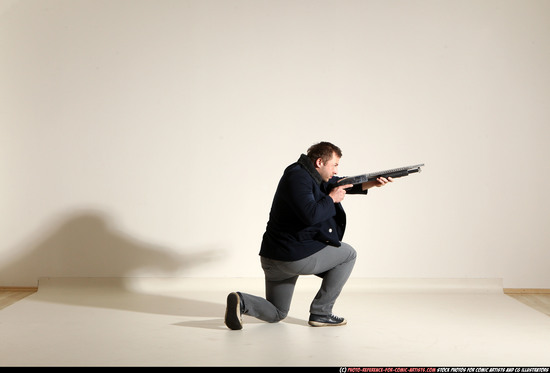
(318, 162)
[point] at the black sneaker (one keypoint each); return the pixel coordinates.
(330, 320)
(233, 318)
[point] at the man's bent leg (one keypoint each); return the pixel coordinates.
(336, 265)
(279, 293)
(279, 288)
(333, 264)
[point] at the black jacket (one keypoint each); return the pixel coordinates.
(303, 218)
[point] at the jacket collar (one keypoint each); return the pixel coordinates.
(306, 163)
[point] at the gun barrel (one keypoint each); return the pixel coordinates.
(393, 173)
(396, 174)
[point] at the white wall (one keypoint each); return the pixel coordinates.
(146, 138)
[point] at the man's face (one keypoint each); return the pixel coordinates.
(329, 169)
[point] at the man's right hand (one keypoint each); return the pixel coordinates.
(338, 193)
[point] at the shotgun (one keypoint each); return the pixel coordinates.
(393, 173)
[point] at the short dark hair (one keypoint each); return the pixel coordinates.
(323, 150)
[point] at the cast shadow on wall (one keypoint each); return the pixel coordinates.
(88, 244)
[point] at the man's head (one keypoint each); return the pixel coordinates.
(325, 157)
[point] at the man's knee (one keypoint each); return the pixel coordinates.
(280, 315)
(352, 253)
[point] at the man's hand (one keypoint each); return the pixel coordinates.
(381, 181)
(337, 194)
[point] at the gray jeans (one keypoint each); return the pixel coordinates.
(332, 264)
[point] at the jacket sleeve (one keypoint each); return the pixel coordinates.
(356, 189)
(308, 202)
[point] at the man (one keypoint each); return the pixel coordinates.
(303, 237)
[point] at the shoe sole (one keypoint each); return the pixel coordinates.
(318, 324)
(233, 312)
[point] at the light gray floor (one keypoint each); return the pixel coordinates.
(179, 322)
